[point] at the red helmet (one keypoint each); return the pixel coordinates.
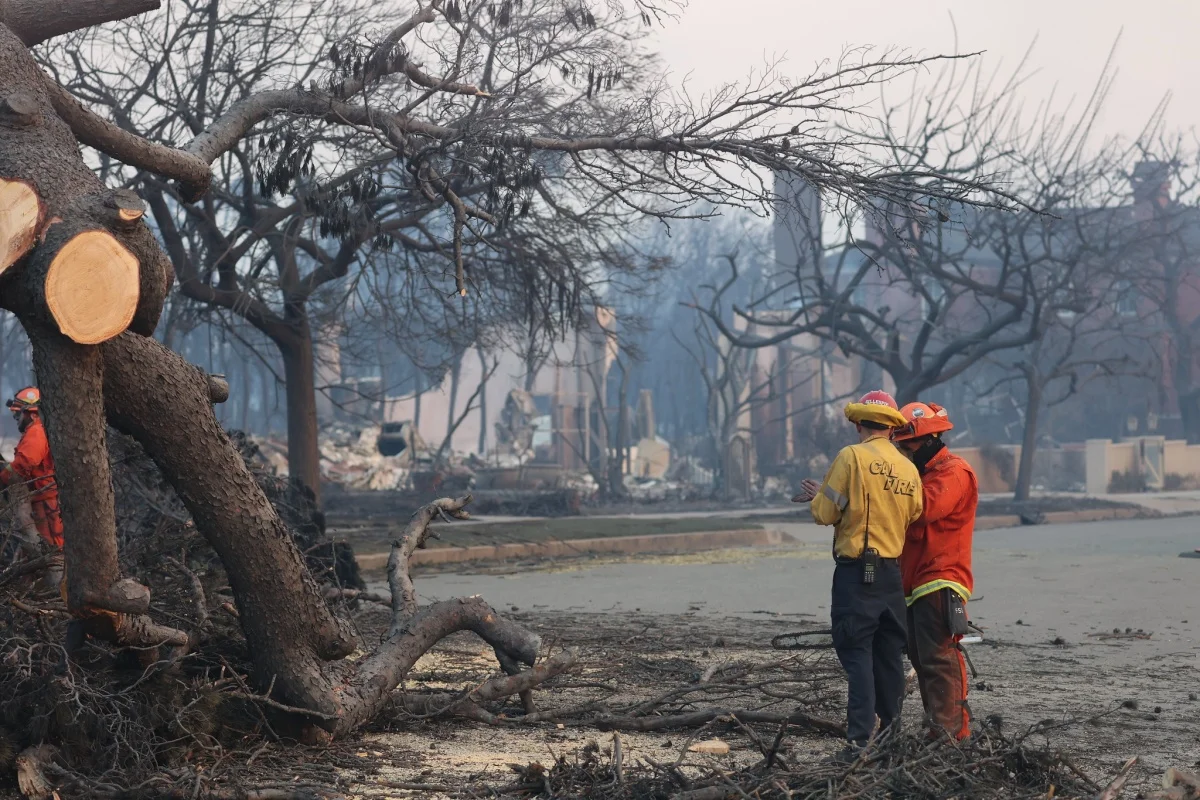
(878, 397)
(28, 399)
(924, 419)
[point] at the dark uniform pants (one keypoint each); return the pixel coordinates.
(869, 637)
(941, 671)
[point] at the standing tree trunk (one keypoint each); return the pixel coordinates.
(263, 381)
(616, 475)
(244, 422)
(69, 377)
(384, 381)
(455, 374)
(483, 417)
(1029, 438)
(417, 392)
(304, 455)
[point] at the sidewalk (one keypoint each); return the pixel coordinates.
(1176, 502)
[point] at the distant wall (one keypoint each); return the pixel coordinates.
(1059, 469)
(1143, 462)
(1183, 459)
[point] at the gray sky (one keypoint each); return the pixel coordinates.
(1159, 51)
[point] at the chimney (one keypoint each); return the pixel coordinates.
(1151, 182)
(797, 223)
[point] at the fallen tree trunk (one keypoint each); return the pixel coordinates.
(283, 613)
(288, 626)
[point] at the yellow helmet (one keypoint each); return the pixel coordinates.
(878, 407)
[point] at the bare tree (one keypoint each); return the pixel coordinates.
(925, 299)
(1093, 343)
(744, 396)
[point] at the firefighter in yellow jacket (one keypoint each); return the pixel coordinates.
(870, 496)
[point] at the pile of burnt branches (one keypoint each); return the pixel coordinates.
(987, 766)
(123, 722)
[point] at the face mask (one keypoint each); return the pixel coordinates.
(925, 453)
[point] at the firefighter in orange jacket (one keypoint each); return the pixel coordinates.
(33, 465)
(936, 567)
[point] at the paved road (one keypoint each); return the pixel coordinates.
(1056, 580)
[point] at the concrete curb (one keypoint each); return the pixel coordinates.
(679, 542)
(992, 523)
(628, 545)
(1060, 517)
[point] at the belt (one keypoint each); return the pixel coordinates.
(842, 560)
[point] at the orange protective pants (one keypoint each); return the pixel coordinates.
(48, 520)
(941, 670)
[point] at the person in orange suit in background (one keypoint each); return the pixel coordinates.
(33, 466)
(936, 567)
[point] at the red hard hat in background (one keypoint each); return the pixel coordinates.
(28, 399)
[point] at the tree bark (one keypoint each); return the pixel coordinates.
(69, 376)
(40, 149)
(616, 477)
(906, 391)
(304, 456)
(34, 22)
(1033, 409)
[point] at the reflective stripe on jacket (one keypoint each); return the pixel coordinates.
(937, 548)
(870, 482)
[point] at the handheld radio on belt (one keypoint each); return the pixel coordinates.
(870, 556)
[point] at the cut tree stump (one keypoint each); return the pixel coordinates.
(31, 775)
(21, 213)
(92, 287)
